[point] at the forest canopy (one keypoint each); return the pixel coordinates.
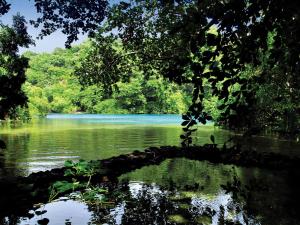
(52, 87)
(243, 53)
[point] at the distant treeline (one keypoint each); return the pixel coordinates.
(52, 87)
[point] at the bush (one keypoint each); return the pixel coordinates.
(109, 106)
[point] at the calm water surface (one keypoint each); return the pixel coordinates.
(178, 191)
(47, 143)
(181, 191)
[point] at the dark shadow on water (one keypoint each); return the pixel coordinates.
(181, 191)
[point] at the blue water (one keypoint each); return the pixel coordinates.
(137, 119)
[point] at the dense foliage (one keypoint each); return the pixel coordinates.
(174, 38)
(12, 66)
(4, 7)
(244, 54)
(70, 16)
(52, 87)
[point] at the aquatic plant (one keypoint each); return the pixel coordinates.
(80, 168)
(86, 193)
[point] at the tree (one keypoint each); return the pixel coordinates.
(4, 7)
(12, 66)
(175, 39)
(50, 84)
(51, 76)
(71, 16)
(169, 36)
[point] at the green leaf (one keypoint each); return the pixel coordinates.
(69, 163)
(69, 172)
(185, 117)
(184, 123)
(212, 138)
(62, 186)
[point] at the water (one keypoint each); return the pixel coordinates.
(60, 212)
(47, 143)
(178, 191)
(181, 191)
(129, 119)
(195, 189)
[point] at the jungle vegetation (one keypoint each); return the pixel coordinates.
(243, 54)
(52, 87)
(235, 62)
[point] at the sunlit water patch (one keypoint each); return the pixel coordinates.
(61, 211)
(138, 119)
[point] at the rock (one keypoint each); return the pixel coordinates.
(44, 221)
(38, 212)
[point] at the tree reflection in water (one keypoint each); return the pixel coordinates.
(150, 204)
(181, 191)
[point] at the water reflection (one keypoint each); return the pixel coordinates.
(246, 195)
(149, 204)
(181, 191)
(58, 212)
(47, 143)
